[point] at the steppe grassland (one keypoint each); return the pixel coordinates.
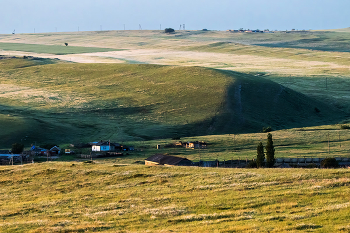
(87, 96)
(142, 86)
(51, 49)
(105, 197)
(208, 49)
(302, 70)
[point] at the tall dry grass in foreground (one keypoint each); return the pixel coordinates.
(80, 197)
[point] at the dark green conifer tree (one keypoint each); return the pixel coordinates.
(260, 156)
(17, 148)
(270, 151)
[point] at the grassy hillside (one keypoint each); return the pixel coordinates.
(77, 197)
(52, 49)
(86, 102)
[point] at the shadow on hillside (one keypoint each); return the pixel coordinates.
(253, 103)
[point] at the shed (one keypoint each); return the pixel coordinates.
(55, 150)
(167, 160)
(196, 145)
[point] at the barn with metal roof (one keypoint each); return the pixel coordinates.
(167, 160)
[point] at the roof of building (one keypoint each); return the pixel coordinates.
(105, 143)
(55, 148)
(165, 159)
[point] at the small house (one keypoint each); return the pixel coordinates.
(196, 145)
(105, 146)
(167, 160)
(38, 151)
(54, 150)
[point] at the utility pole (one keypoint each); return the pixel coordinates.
(200, 158)
(140, 28)
(328, 145)
(183, 27)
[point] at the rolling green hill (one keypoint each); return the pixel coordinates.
(67, 102)
(52, 49)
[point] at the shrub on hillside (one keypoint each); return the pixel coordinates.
(17, 148)
(312, 165)
(266, 129)
(169, 30)
(252, 164)
(345, 127)
(329, 163)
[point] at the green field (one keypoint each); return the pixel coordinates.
(67, 103)
(51, 49)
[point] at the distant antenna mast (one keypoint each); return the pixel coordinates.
(140, 28)
(14, 31)
(183, 27)
(180, 27)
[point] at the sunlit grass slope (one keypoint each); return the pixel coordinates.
(78, 197)
(84, 102)
(51, 49)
